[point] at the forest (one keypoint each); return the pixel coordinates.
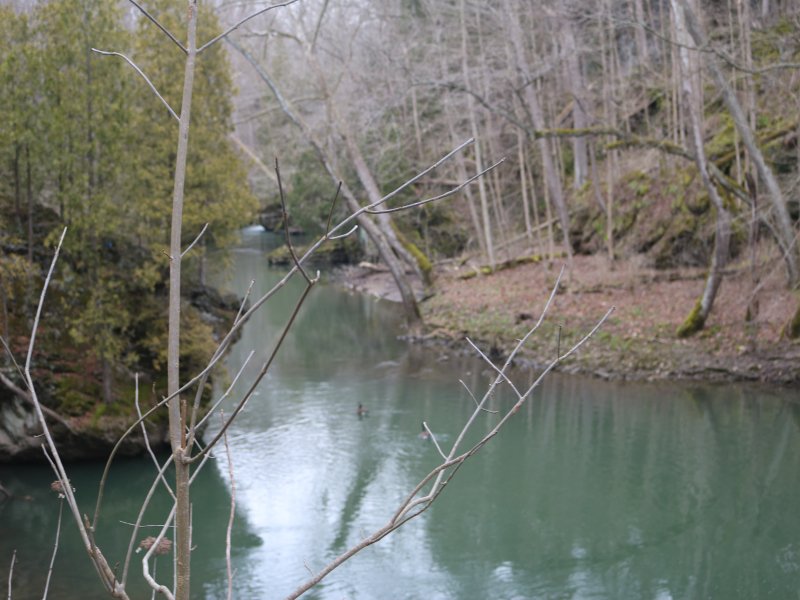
(449, 155)
(635, 135)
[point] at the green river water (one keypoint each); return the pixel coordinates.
(594, 490)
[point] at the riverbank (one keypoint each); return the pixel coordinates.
(638, 342)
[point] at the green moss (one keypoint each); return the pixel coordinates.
(423, 262)
(638, 182)
(723, 139)
(98, 413)
(509, 264)
(693, 323)
(793, 331)
(76, 395)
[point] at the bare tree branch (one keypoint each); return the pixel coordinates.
(11, 572)
(433, 439)
(158, 587)
(242, 22)
(229, 529)
(253, 157)
(98, 560)
(27, 397)
(197, 239)
(286, 224)
(447, 194)
(265, 367)
(333, 205)
(55, 549)
(474, 399)
(147, 439)
(343, 235)
(141, 73)
(159, 25)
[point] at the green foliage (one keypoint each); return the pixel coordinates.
(309, 195)
(87, 145)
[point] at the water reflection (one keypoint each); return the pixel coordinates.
(595, 490)
(28, 525)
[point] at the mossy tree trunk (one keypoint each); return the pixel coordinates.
(693, 103)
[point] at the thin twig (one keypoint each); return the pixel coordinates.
(286, 223)
(227, 391)
(242, 22)
(201, 385)
(140, 72)
(232, 513)
(333, 205)
(344, 235)
(26, 396)
(495, 367)
(11, 572)
(38, 316)
(265, 367)
(159, 25)
(433, 439)
(197, 239)
(474, 399)
(448, 193)
(147, 439)
(422, 174)
(158, 587)
(140, 516)
(55, 549)
(12, 357)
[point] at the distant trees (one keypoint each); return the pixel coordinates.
(576, 95)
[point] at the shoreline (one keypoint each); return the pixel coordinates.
(637, 343)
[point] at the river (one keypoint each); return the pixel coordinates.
(594, 490)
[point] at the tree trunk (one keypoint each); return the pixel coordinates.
(487, 227)
(693, 105)
(580, 119)
(784, 228)
(551, 176)
(29, 189)
(641, 36)
(384, 220)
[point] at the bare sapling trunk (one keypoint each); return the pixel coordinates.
(176, 407)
